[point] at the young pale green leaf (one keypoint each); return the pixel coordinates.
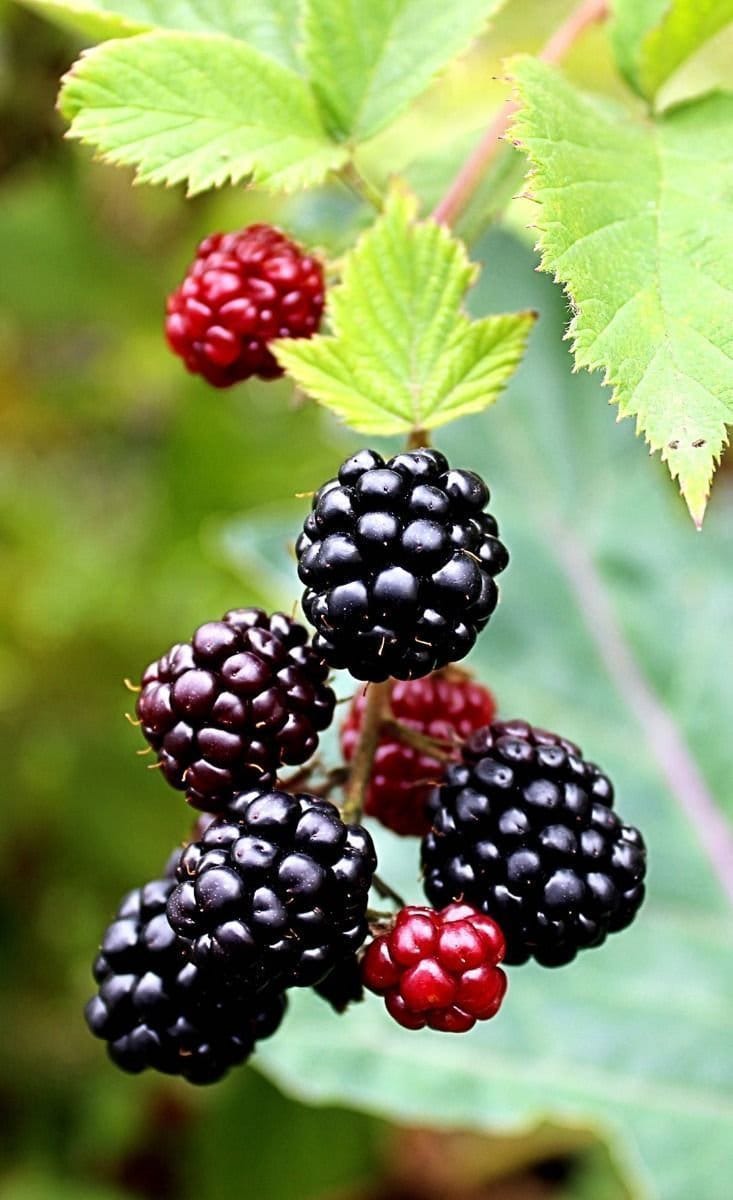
(199, 108)
(369, 61)
(653, 38)
(636, 220)
(271, 26)
(403, 355)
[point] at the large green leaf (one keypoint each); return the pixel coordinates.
(368, 61)
(201, 108)
(653, 38)
(403, 356)
(636, 220)
(609, 630)
(269, 25)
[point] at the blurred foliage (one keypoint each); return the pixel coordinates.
(124, 485)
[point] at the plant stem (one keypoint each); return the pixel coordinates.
(439, 748)
(460, 191)
(377, 705)
(360, 185)
(418, 439)
(386, 892)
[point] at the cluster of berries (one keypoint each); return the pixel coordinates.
(522, 853)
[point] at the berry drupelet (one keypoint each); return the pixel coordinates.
(524, 830)
(342, 986)
(439, 969)
(246, 695)
(398, 561)
(156, 1010)
(275, 893)
(242, 291)
(447, 706)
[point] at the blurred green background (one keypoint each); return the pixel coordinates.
(135, 503)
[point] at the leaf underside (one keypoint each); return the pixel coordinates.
(636, 220)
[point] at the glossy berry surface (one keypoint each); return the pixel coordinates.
(398, 561)
(524, 830)
(241, 291)
(246, 695)
(156, 1010)
(447, 706)
(342, 986)
(275, 893)
(439, 969)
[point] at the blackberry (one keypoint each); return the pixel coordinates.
(524, 830)
(446, 706)
(275, 893)
(342, 986)
(157, 1010)
(398, 561)
(438, 968)
(246, 695)
(242, 290)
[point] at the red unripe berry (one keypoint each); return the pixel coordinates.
(447, 706)
(438, 968)
(242, 291)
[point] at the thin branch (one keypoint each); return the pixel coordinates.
(377, 705)
(386, 892)
(460, 191)
(442, 749)
(676, 764)
(361, 186)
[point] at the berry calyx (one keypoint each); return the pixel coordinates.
(439, 969)
(244, 697)
(275, 893)
(157, 1010)
(524, 830)
(398, 561)
(447, 706)
(241, 291)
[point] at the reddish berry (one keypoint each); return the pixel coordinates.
(242, 290)
(438, 968)
(447, 706)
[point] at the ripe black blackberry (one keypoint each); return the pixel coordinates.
(246, 695)
(156, 1009)
(343, 985)
(524, 830)
(399, 561)
(275, 892)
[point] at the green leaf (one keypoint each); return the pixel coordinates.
(270, 26)
(402, 355)
(369, 61)
(653, 38)
(201, 108)
(636, 220)
(634, 1039)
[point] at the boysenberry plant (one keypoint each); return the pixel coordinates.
(282, 888)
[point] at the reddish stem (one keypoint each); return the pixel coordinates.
(452, 204)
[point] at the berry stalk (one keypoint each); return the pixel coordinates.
(377, 707)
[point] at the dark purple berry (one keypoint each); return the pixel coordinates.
(245, 696)
(523, 830)
(275, 892)
(398, 561)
